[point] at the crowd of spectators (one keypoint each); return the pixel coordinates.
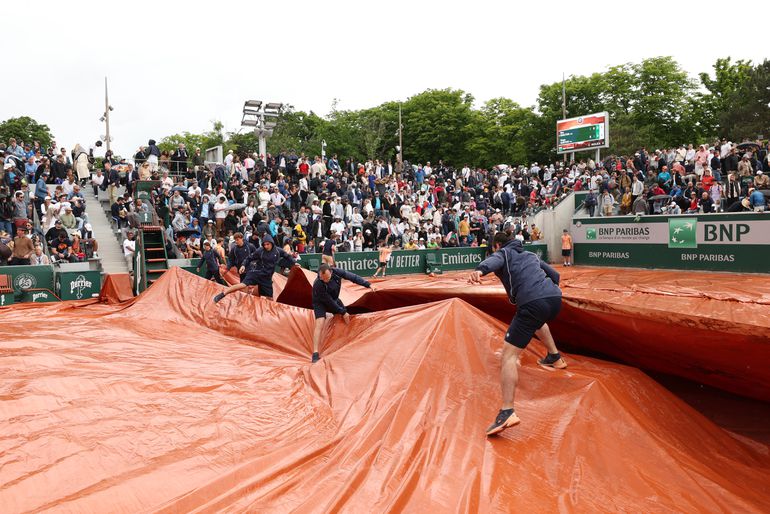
(303, 202)
(37, 226)
(723, 177)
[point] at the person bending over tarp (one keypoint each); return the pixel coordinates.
(257, 269)
(533, 286)
(326, 299)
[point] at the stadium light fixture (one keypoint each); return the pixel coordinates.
(263, 118)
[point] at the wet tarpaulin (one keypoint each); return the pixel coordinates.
(117, 288)
(713, 328)
(171, 404)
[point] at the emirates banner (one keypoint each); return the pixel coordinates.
(413, 261)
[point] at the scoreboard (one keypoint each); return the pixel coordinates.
(583, 133)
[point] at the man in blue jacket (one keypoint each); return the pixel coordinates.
(212, 260)
(533, 286)
(239, 251)
(757, 200)
(257, 269)
(326, 299)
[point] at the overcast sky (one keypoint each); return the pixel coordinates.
(175, 66)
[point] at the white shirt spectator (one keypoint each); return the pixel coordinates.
(724, 150)
(595, 181)
(264, 199)
(338, 227)
(67, 187)
(318, 168)
(97, 180)
(220, 209)
(277, 198)
(129, 247)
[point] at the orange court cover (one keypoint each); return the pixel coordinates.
(169, 403)
(709, 327)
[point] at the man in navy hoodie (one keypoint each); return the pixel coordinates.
(533, 286)
(257, 269)
(326, 299)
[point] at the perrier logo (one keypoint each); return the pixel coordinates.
(79, 285)
(590, 233)
(681, 233)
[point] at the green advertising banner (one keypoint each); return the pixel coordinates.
(38, 296)
(29, 277)
(78, 285)
(404, 262)
(720, 242)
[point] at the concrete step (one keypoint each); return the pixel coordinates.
(110, 247)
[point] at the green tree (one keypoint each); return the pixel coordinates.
(25, 129)
(438, 125)
(242, 143)
(747, 109)
(660, 103)
(209, 139)
(728, 78)
(297, 131)
(499, 133)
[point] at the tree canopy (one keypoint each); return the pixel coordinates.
(25, 129)
(653, 103)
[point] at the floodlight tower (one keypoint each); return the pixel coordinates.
(264, 118)
(106, 117)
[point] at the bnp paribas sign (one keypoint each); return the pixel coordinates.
(737, 241)
(675, 232)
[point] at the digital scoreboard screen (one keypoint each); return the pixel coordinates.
(581, 133)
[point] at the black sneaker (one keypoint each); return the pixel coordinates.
(218, 297)
(505, 419)
(316, 357)
(553, 360)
